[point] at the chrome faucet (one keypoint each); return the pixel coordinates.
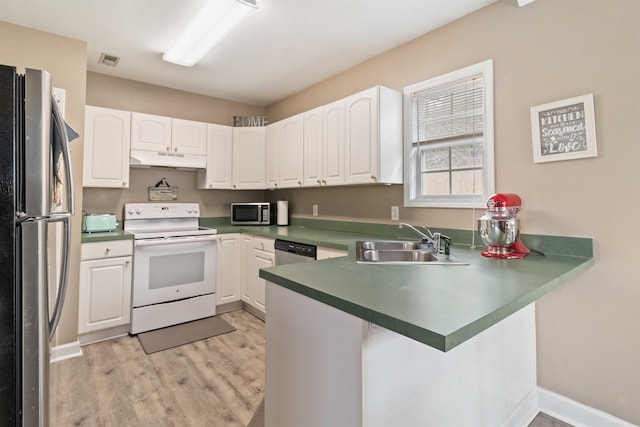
(432, 240)
(423, 237)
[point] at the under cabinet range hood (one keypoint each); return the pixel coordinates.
(142, 158)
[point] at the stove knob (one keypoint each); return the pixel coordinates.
(130, 211)
(195, 211)
(188, 210)
(138, 211)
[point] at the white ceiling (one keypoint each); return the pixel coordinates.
(282, 48)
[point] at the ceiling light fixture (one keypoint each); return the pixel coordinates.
(214, 22)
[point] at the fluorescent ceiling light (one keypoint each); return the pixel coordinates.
(214, 22)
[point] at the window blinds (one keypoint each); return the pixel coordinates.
(448, 113)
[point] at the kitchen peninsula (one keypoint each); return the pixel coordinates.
(373, 345)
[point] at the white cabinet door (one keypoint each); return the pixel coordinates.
(188, 137)
(219, 148)
(105, 294)
(246, 272)
(361, 137)
(271, 156)
(373, 137)
(290, 151)
(107, 139)
(229, 264)
(313, 147)
(333, 143)
(150, 132)
(249, 158)
(261, 259)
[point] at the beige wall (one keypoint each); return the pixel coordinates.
(65, 59)
(122, 94)
(588, 330)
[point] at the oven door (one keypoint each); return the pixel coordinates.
(174, 268)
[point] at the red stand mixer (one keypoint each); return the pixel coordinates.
(500, 229)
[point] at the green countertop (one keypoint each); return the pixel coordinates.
(105, 236)
(439, 305)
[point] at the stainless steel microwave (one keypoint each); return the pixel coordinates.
(261, 213)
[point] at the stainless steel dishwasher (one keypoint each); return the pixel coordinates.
(292, 252)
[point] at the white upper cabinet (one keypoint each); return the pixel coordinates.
(217, 174)
(290, 151)
(284, 153)
(107, 137)
(188, 137)
(324, 145)
(271, 159)
(158, 133)
(248, 158)
(333, 153)
(373, 136)
(150, 132)
(313, 147)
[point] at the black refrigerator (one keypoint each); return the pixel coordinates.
(36, 193)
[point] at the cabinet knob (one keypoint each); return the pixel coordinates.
(373, 177)
(108, 250)
(168, 148)
(234, 186)
(275, 184)
(175, 149)
(318, 181)
(124, 182)
(210, 185)
(324, 182)
(128, 261)
(299, 183)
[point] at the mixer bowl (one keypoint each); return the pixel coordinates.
(499, 231)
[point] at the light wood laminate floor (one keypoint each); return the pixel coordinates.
(214, 382)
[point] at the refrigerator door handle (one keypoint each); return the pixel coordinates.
(61, 128)
(64, 276)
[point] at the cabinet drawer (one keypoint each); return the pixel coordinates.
(263, 243)
(108, 249)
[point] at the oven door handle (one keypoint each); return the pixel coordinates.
(175, 240)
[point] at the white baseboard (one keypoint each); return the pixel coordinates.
(525, 412)
(65, 351)
(576, 413)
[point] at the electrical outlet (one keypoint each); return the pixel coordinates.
(395, 213)
(315, 210)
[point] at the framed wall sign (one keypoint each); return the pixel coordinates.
(564, 130)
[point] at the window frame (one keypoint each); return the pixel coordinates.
(412, 175)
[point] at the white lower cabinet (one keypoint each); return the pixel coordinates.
(105, 285)
(229, 266)
(261, 259)
(246, 272)
(254, 253)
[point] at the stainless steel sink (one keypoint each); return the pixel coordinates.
(388, 245)
(399, 252)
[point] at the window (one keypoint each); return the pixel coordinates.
(449, 139)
